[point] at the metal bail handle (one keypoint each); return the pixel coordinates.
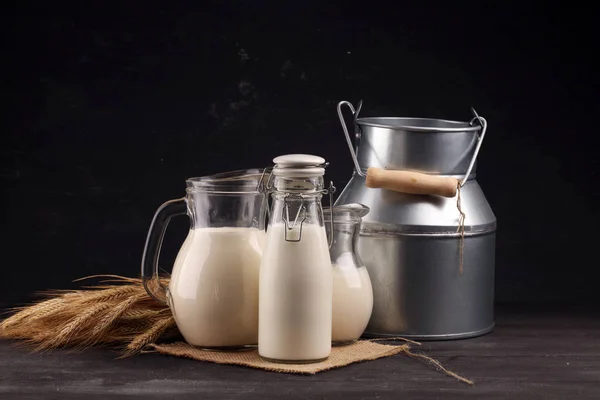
(348, 140)
(265, 189)
(482, 121)
(285, 215)
(331, 191)
(301, 215)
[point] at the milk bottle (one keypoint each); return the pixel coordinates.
(295, 296)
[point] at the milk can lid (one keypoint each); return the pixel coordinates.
(296, 165)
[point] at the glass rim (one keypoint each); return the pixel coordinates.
(241, 181)
(346, 213)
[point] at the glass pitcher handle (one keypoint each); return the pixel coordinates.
(154, 240)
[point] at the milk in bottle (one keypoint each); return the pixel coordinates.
(295, 290)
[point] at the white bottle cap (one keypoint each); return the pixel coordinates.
(298, 165)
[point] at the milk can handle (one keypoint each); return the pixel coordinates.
(154, 240)
(348, 140)
(482, 121)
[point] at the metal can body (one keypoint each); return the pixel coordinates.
(418, 292)
(411, 244)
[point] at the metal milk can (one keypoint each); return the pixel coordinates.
(429, 240)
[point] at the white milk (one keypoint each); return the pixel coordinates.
(214, 286)
(295, 296)
(352, 301)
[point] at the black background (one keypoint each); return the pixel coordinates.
(107, 109)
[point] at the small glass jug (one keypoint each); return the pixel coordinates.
(213, 290)
(352, 291)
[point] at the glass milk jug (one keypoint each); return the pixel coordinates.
(295, 272)
(213, 289)
(352, 291)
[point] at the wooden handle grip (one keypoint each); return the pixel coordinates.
(411, 182)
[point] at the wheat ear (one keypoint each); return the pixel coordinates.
(150, 336)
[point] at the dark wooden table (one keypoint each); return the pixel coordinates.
(547, 353)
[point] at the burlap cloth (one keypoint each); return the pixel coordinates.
(363, 350)
(341, 356)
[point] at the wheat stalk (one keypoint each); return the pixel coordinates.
(111, 294)
(108, 320)
(150, 336)
(117, 312)
(142, 313)
(28, 312)
(35, 311)
(67, 335)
